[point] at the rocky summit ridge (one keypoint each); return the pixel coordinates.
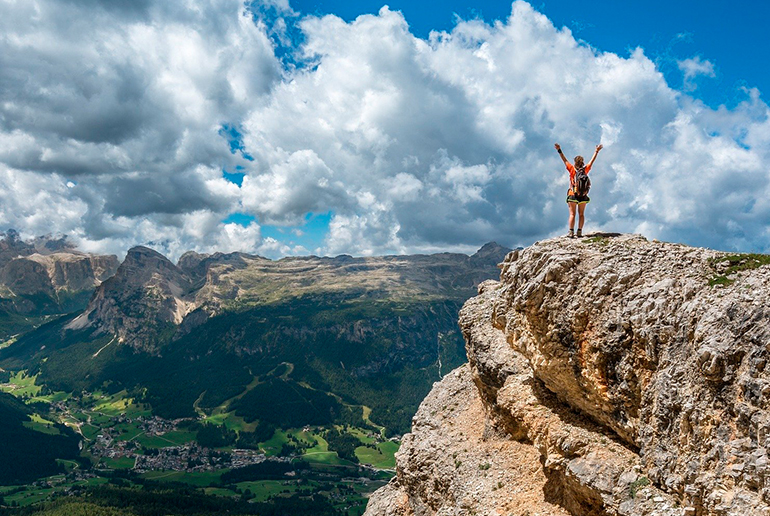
(48, 275)
(609, 375)
(150, 299)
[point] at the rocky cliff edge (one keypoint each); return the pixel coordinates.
(607, 376)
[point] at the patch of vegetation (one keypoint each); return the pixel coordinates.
(731, 264)
(262, 490)
(14, 324)
(267, 470)
(288, 404)
(343, 443)
(190, 478)
(215, 436)
(169, 439)
(251, 440)
(602, 241)
(119, 463)
(637, 484)
(345, 353)
(383, 455)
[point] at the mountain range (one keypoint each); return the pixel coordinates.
(301, 340)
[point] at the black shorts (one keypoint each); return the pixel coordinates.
(578, 199)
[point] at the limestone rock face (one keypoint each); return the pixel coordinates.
(48, 275)
(148, 295)
(75, 271)
(633, 371)
(53, 282)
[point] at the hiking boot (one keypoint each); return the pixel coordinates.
(571, 233)
(580, 233)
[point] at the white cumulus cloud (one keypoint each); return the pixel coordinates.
(693, 68)
(112, 116)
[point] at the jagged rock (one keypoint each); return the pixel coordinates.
(190, 260)
(488, 255)
(53, 282)
(198, 265)
(13, 246)
(75, 271)
(147, 297)
(452, 463)
(639, 384)
(48, 275)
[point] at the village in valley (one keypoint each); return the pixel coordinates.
(123, 442)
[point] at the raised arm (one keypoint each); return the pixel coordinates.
(596, 153)
(561, 154)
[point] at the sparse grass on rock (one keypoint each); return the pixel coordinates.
(727, 266)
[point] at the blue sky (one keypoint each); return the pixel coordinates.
(731, 35)
(269, 128)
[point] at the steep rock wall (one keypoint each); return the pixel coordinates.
(635, 370)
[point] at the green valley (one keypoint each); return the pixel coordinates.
(258, 385)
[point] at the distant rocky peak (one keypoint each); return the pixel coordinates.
(48, 244)
(11, 236)
(147, 294)
(47, 275)
(490, 253)
(142, 264)
(142, 254)
(190, 260)
(198, 265)
(13, 246)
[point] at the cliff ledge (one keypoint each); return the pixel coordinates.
(608, 375)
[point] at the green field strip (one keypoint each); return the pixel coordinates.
(220, 491)
(327, 457)
(361, 435)
(89, 432)
(382, 458)
(272, 446)
(41, 425)
(31, 496)
(127, 431)
(50, 398)
(264, 489)
(195, 478)
(167, 440)
(22, 385)
(69, 465)
(231, 422)
(367, 412)
(119, 462)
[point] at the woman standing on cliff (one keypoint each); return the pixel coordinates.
(577, 195)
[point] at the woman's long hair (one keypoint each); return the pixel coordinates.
(579, 163)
